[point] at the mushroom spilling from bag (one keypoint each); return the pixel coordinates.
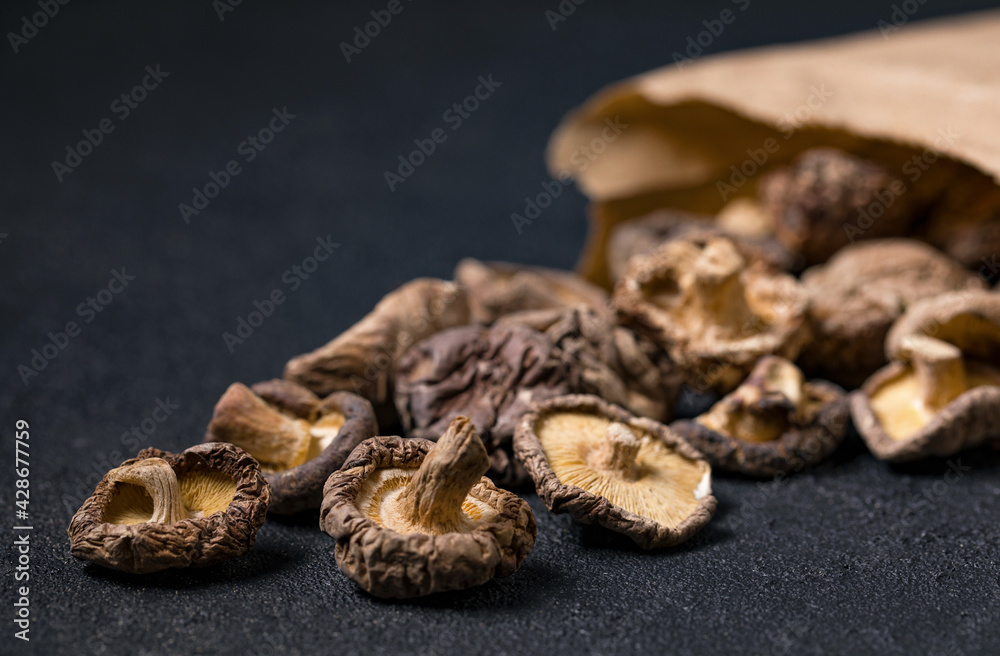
(775, 421)
(363, 359)
(161, 510)
(856, 296)
(695, 137)
(298, 439)
(739, 222)
(603, 465)
(412, 517)
(495, 289)
(712, 312)
(940, 394)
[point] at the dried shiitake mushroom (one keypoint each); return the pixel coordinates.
(857, 295)
(298, 439)
(412, 517)
(645, 234)
(498, 288)
(713, 314)
(941, 392)
(825, 191)
(489, 374)
(773, 422)
(602, 464)
(161, 510)
(607, 360)
(362, 359)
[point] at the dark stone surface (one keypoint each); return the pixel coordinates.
(853, 556)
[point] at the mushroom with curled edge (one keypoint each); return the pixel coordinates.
(363, 358)
(412, 517)
(495, 289)
(161, 510)
(298, 438)
(773, 422)
(933, 401)
(714, 314)
(855, 297)
(603, 465)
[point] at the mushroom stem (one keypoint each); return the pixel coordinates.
(157, 477)
(276, 440)
(433, 497)
(940, 371)
(714, 289)
(617, 453)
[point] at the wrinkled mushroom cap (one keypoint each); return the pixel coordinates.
(412, 518)
(298, 439)
(602, 464)
(933, 401)
(857, 295)
(161, 510)
(495, 289)
(488, 374)
(362, 360)
(969, 319)
(773, 422)
(714, 314)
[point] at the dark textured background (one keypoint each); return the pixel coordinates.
(853, 556)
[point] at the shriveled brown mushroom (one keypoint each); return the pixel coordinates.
(298, 439)
(412, 517)
(602, 464)
(607, 360)
(817, 200)
(773, 422)
(161, 510)
(489, 374)
(857, 295)
(498, 288)
(362, 359)
(941, 392)
(643, 235)
(713, 314)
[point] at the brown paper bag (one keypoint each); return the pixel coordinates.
(693, 135)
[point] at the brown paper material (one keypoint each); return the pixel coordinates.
(678, 136)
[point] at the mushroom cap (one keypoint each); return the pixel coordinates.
(608, 360)
(737, 433)
(495, 541)
(644, 234)
(488, 374)
(713, 314)
(495, 289)
(857, 295)
(340, 422)
(363, 358)
(969, 319)
(666, 501)
(969, 420)
(221, 486)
